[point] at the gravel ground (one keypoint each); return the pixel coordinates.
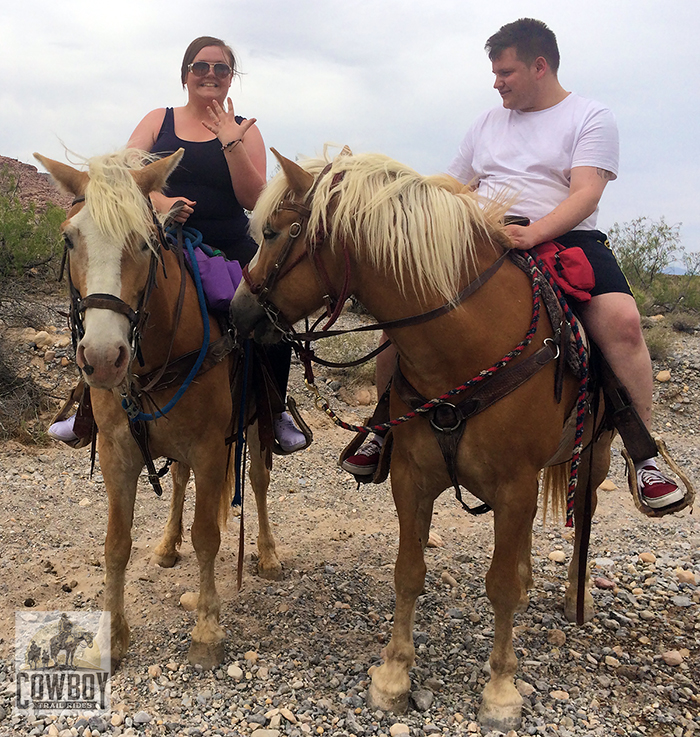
(299, 650)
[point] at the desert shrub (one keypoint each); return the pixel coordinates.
(659, 342)
(343, 348)
(644, 248)
(21, 402)
(28, 239)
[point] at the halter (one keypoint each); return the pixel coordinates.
(98, 300)
(334, 301)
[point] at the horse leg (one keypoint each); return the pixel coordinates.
(120, 472)
(269, 565)
(391, 682)
(595, 469)
(501, 703)
(207, 647)
(525, 569)
(166, 554)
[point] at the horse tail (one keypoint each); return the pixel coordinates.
(555, 485)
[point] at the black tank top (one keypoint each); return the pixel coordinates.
(203, 175)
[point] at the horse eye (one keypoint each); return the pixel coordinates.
(67, 241)
(269, 234)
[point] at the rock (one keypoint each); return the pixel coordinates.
(556, 637)
(445, 577)
(154, 671)
(266, 733)
(434, 540)
(603, 583)
(524, 688)
(234, 672)
(188, 601)
(685, 576)
(672, 657)
(49, 355)
(363, 397)
(608, 485)
(399, 728)
(117, 720)
(423, 699)
(647, 557)
(142, 717)
(42, 339)
(558, 556)
(663, 376)
(288, 715)
(251, 656)
(559, 695)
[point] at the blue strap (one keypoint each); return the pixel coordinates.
(188, 235)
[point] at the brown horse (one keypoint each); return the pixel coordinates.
(403, 245)
(125, 281)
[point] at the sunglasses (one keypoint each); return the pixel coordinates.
(200, 68)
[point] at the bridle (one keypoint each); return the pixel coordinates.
(333, 299)
(137, 317)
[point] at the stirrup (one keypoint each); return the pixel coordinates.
(688, 497)
(382, 472)
(277, 449)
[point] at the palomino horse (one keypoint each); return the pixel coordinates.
(403, 245)
(125, 280)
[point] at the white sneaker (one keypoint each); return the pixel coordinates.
(287, 434)
(63, 430)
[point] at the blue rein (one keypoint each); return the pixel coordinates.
(191, 238)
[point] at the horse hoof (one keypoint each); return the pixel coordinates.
(501, 718)
(165, 560)
(270, 573)
(379, 700)
(206, 654)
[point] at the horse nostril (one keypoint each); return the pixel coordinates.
(122, 357)
(88, 369)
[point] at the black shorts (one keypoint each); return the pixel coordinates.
(608, 274)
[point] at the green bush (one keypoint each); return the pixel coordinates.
(28, 239)
(659, 342)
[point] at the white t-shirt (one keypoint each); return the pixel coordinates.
(531, 155)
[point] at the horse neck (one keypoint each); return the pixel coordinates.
(458, 345)
(162, 310)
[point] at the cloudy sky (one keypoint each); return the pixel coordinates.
(401, 77)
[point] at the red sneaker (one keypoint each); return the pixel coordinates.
(366, 460)
(657, 490)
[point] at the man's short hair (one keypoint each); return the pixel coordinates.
(531, 38)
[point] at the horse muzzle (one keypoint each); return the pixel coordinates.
(250, 319)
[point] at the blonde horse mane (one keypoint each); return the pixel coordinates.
(422, 229)
(113, 199)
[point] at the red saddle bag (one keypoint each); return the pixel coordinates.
(569, 267)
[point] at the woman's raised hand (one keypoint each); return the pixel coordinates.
(222, 123)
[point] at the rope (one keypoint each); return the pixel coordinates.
(127, 403)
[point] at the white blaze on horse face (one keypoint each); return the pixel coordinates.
(104, 352)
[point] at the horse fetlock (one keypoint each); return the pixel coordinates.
(269, 567)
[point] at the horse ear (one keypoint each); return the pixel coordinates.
(70, 180)
(300, 181)
(152, 177)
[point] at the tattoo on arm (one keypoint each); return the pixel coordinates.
(605, 174)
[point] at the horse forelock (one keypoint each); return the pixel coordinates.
(114, 201)
(425, 230)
